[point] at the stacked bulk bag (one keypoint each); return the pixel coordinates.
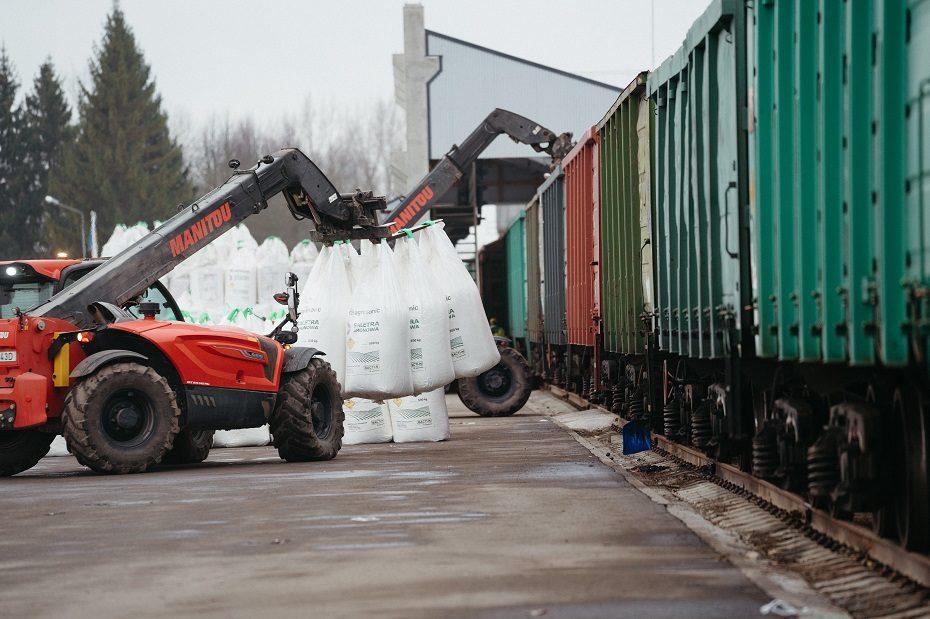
(206, 280)
(302, 258)
(366, 421)
(115, 243)
(240, 280)
(123, 237)
(428, 319)
(272, 262)
(377, 334)
(246, 318)
(178, 280)
(324, 306)
(422, 417)
(471, 343)
(245, 437)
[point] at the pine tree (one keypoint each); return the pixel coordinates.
(124, 163)
(48, 118)
(20, 213)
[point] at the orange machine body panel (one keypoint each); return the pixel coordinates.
(27, 374)
(224, 357)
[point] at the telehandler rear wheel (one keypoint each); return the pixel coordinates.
(121, 419)
(502, 390)
(22, 449)
(190, 447)
(307, 423)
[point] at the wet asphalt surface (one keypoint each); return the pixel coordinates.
(510, 518)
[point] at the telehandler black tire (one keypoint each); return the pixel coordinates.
(307, 422)
(22, 449)
(502, 390)
(121, 419)
(190, 447)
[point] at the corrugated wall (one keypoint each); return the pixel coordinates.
(581, 197)
(474, 80)
(552, 201)
(696, 184)
(625, 219)
(516, 277)
(840, 140)
(534, 274)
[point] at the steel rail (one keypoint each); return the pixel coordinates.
(912, 565)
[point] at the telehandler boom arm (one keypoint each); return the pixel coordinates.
(454, 164)
(309, 195)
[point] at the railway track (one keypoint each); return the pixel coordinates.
(864, 574)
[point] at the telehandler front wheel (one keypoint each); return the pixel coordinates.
(307, 422)
(121, 419)
(22, 449)
(190, 447)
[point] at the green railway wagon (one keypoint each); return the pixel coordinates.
(791, 175)
(841, 151)
(840, 154)
(534, 275)
(700, 182)
(626, 288)
(515, 241)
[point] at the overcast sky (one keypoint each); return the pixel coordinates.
(264, 58)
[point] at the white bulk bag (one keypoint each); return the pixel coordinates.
(179, 280)
(245, 437)
(245, 318)
(115, 243)
(428, 319)
(471, 343)
(377, 336)
(123, 237)
(302, 258)
(420, 418)
(207, 279)
(272, 262)
(355, 262)
(244, 238)
(58, 448)
(365, 422)
(207, 287)
(240, 277)
(324, 305)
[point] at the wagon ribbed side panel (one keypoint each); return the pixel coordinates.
(516, 278)
(552, 201)
(580, 195)
(534, 320)
(698, 186)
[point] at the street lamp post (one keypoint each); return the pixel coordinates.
(59, 204)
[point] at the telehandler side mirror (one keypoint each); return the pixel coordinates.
(293, 297)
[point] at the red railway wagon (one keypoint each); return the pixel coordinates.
(582, 209)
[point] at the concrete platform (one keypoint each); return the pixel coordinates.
(510, 518)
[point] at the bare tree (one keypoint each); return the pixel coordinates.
(352, 146)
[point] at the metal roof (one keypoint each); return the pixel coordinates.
(473, 80)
